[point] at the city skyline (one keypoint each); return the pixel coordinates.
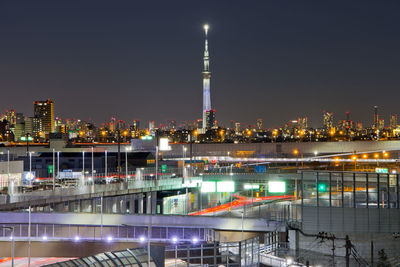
(259, 71)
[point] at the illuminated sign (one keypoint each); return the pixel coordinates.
(226, 186)
(251, 186)
(382, 170)
(164, 144)
(322, 187)
(276, 187)
(208, 187)
(146, 137)
(23, 138)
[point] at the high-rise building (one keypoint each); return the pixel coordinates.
(19, 118)
(328, 120)
(237, 127)
(206, 80)
(381, 124)
(393, 121)
(210, 117)
(10, 117)
(33, 126)
(376, 118)
(136, 125)
(259, 125)
(44, 110)
(302, 123)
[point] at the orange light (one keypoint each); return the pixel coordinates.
(365, 156)
(354, 158)
(376, 155)
(336, 159)
(296, 152)
(332, 132)
(125, 133)
(385, 154)
(195, 132)
(103, 133)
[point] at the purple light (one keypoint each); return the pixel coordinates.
(174, 239)
(44, 238)
(109, 239)
(142, 239)
(195, 240)
(77, 238)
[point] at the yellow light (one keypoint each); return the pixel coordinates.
(248, 132)
(103, 133)
(336, 159)
(221, 132)
(295, 151)
(376, 155)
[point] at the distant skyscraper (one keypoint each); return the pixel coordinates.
(10, 117)
(210, 116)
(328, 120)
(393, 121)
(206, 81)
(376, 118)
(44, 110)
(259, 125)
(302, 123)
(136, 125)
(237, 127)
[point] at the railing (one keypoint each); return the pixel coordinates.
(116, 233)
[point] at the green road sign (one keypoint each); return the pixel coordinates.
(163, 168)
(50, 168)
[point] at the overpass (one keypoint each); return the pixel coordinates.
(68, 231)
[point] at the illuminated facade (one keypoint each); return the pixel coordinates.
(206, 81)
(44, 110)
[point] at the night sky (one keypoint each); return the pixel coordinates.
(274, 60)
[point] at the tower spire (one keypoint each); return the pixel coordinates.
(206, 82)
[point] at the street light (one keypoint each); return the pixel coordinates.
(354, 158)
(11, 228)
(128, 148)
(105, 163)
(54, 175)
(93, 164)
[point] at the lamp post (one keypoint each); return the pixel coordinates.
(92, 164)
(83, 168)
(54, 175)
(10, 189)
(58, 164)
(30, 168)
(128, 148)
(11, 228)
(105, 163)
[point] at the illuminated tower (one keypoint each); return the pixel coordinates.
(206, 82)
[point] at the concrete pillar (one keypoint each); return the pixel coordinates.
(140, 200)
(148, 203)
(293, 240)
(154, 202)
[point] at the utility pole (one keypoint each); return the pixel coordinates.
(348, 250)
(372, 253)
(119, 153)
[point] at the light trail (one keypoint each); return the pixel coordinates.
(240, 202)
